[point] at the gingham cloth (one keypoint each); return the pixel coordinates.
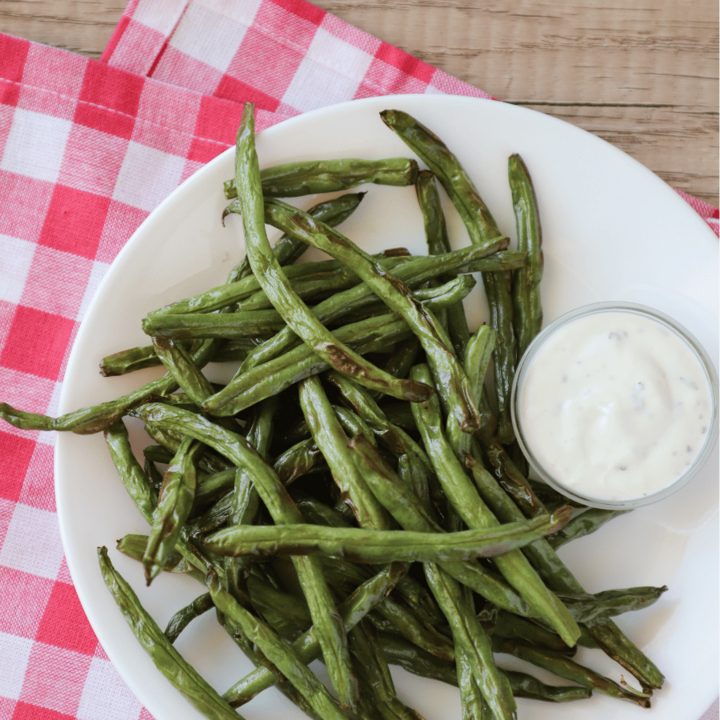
(87, 150)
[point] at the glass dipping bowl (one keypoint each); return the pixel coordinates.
(599, 501)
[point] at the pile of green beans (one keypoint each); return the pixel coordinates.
(354, 494)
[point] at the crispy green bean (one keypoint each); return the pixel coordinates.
(469, 505)
(274, 376)
(134, 546)
(446, 167)
(413, 272)
(570, 670)
(352, 610)
(332, 442)
(371, 665)
(584, 524)
(166, 658)
(353, 424)
(467, 632)
(438, 243)
(100, 417)
(281, 507)
(472, 641)
(312, 177)
(603, 632)
(400, 652)
(298, 460)
(175, 501)
(251, 323)
(183, 617)
(179, 364)
(497, 290)
(527, 309)
(279, 289)
(381, 546)
(410, 514)
(393, 292)
(278, 653)
(211, 487)
(287, 250)
(129, 360)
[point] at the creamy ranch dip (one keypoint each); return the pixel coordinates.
(615, 405)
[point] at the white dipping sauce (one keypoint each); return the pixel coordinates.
(615, 406)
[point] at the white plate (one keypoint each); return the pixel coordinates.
(612, 231)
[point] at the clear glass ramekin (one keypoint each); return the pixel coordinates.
(604, 307)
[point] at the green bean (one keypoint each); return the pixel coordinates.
(410, 514)
(380, 546)
(352, 610)
(570, 670)
(469, 505)
(312, 177)
(213, 518)
(183, 617)
(393, 292)
(174, 504)
(413, 272)
(332, 442)
(209, 462)
(402, 359)
(134, 546)
(438, 243)
(210, 487)
(278, 653)
(527, 309)
(473, 705)
(281, 507)
(584, 524)
(278, 288)
(317, 513)
(167, 660)
(467, 632)
(371, 666)
(362, 402)
(245, 502)
(446, 167)
(511, 480)
(400, 652)
(129, 360)
(240, 291)
(613, 602)
(511, 626)
(286, 250)
(412, 613)
(291, 607)
(274, 376)
(527, 686)
(472, 641)
(298, 460)
(253, 323)
(100, 417)
(179, 364)
(306, 287)
(153, 474)
(554, 573)
(497, 290)
(353, 424)
(400, 414)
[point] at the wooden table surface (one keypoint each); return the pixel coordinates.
(643, 74)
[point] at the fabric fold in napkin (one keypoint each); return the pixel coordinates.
(87, 150)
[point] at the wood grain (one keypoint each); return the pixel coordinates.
(642, 74)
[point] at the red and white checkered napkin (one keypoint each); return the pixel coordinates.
(87, 150)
